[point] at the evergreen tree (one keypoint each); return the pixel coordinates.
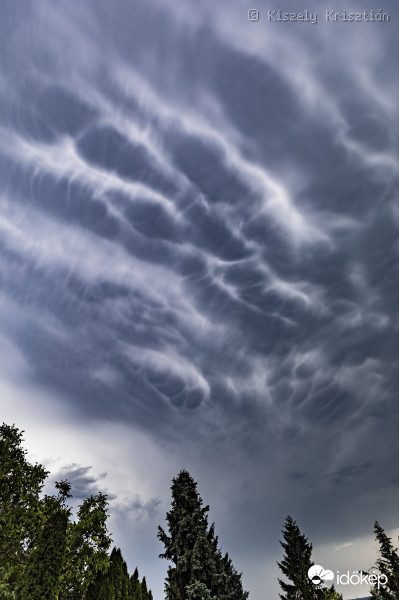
(119, 576)
(388, 565)
(331, 593)
(116, 584)
(295, 565)
(199, 570)
(230, 586)
(144, 591)
(135, 586)
(116, 573)
(97, 590)
(125, 582)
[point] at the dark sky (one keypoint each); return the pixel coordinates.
(199, 266)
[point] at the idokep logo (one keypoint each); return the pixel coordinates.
(319, 574)
(359, 577)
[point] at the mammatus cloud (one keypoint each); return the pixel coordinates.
(199, 240)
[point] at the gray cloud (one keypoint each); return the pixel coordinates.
(83, 482)
(139, 508)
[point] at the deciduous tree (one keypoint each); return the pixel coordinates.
(20, 508)
(41, 577)
(87, 544)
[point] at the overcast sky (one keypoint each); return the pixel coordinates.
(199, 266)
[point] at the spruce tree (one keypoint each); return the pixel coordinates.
(198, 571)
(331, 594)
(295, 565)
(230, 586)
(388, 565)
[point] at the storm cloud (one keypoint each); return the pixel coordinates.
(199, 240)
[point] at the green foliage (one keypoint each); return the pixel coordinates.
(44, 553)
(295, 565)
(331, 594)
(388, 565)
(144, 591)
(200, 570)
(116, 584)
(198, 591)
(20, 508)
(42, 574)
(41, 547)
(87, 545)
(135, 587)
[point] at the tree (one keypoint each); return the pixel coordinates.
(20, 508)
(97, 588)
(296, 562)
(388, 565)
(199, 572)
(125, 582)
(144, 591)
(33, 538)
(135, 586)
(87, 544)
(44, 553)
(20, 485)
(230, 585)
(116, 584)
(331, 593)
(42, 574)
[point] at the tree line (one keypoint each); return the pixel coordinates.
(297, 561)
(116, 583)
(47, 554)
